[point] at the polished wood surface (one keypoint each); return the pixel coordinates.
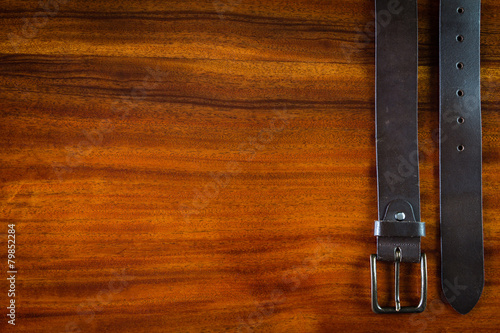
(209, 166)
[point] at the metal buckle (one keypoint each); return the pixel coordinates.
(398, 309)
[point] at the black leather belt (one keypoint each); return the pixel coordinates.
(398, 229)
(462, 258)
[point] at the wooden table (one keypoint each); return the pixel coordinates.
(209, 166)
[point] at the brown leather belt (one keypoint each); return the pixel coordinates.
(462, 258)
(398, 229)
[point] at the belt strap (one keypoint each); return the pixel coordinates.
(398, 229)
(462, 258)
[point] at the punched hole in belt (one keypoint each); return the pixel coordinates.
(461, 148)
(460, 65)
(460, 93)
(460, 10)
(460, 38)
(460, 120)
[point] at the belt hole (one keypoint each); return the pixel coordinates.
(460, 65)
(461, 148)
(460, 120)
(460, 38)
(460, 93)
(460, 10)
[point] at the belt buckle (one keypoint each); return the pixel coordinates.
(398, 309)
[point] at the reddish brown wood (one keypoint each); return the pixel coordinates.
(234, 188)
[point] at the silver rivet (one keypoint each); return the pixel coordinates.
(400, 216)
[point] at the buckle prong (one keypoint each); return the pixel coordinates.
(397, 259)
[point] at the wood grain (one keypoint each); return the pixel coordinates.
(199, 166)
